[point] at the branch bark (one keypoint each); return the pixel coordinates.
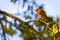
(25, 23)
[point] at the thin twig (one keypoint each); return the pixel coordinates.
(47, 24)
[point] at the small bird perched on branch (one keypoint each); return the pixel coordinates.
(41, 15)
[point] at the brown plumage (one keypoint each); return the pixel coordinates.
(41, 15)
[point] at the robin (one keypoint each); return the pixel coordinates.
(41, 15)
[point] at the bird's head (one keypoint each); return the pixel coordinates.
(38, 11)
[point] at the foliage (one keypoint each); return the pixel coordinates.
(29, 34)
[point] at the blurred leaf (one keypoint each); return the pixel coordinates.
(5, 28)
(58, 38)
(28, 17)
(10, 31)
(25, 12)
(57, 35)
(32, 10)
(28, 7)
(54, 38)
(41, 6)
(38, 23)
(25, 1)
(48, 38)
(59, 24)
(36, 16)
(0, 19)
(4, 17)
(15, 22)
(50, 19)
(54, 31)
(52, 16)
(51, 24)
(34, 2)
(14, 1)
(47, 31)
(28, 34)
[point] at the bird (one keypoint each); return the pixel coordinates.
(41, 15)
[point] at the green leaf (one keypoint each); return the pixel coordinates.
(10, 31)
(27, 17)
(59, 25)
(41, 6)
(50, 19)
(55, 30)
(38, 23)
(4, 17)
(58, 38)
(5, 28)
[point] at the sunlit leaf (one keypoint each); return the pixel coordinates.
(59, 25)
(10, 31)
(24, 35)
(5, 28)
(55, 30)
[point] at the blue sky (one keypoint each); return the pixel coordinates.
(52, 8)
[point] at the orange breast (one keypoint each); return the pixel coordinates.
(38, 12)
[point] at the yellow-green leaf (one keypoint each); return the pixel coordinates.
(5, 28)
(59, 25)
(38, 23)
(4, 17)
(10, 30)
(55, 30)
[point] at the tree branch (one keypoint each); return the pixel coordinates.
(47, 24)
(25, 23)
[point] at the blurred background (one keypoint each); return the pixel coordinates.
(25, 10)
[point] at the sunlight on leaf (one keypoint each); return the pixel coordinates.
(59, 25)
(10, 31)
(5, 28)
(54, 31)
